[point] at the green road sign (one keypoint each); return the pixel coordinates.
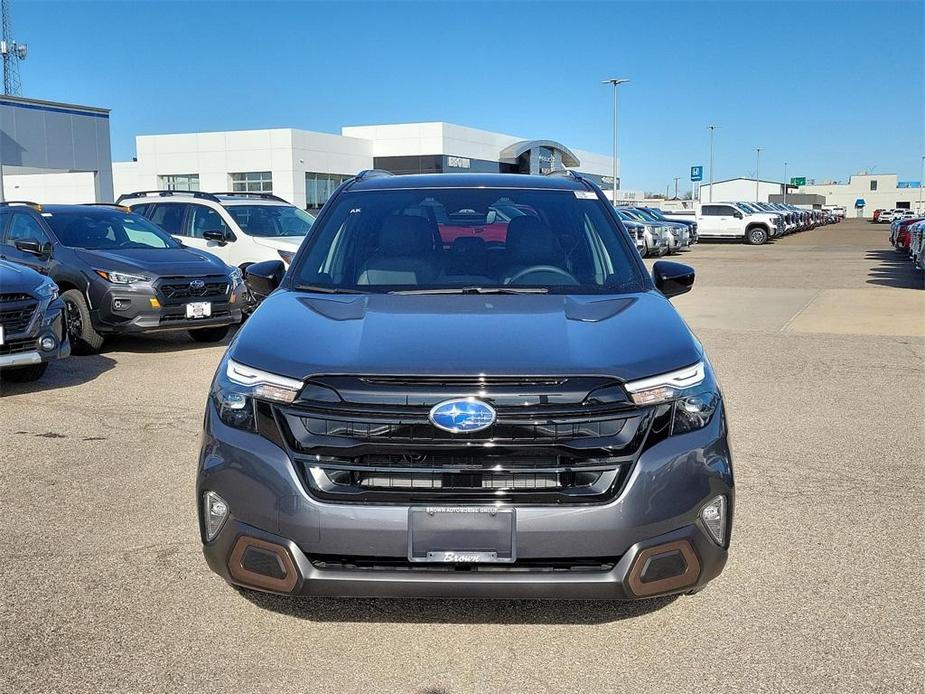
(798, 181)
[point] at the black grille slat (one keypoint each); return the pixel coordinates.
(174, 291)
(10, 297)
(16, 320)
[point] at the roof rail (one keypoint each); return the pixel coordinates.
(28, 203)
(124, 208)
(167, 194)
(372, 173)
(248, 194)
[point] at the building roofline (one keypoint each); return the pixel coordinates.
(21, 100)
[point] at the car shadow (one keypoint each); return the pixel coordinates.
(455, 611)
(173, 341)
(61, 373)
(892, 268)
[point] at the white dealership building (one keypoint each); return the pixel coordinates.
(304, 167)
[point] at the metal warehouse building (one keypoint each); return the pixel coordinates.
(38, 138)
(304, 167)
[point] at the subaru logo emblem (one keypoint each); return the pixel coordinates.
(462, 415)
(197, 284)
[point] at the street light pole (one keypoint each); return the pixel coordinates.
(921, 183)
(711, 128)
(616, 82)
(676, 179)
(785, 183)
(757, 167)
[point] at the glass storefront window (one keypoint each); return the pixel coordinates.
(180, 182)
(319, 187)
(252, 182)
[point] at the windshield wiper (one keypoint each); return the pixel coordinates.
(328, 290)
(475, 290)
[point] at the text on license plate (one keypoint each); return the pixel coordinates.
(199, 309)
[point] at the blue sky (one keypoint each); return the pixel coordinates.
(831, 87)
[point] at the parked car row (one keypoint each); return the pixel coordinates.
(72, 275)
(754, 222)
(907, 235)
(656, 234)
(894, 215)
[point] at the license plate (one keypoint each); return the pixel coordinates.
(461, 534)
(199, 309)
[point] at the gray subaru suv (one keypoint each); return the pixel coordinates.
(466, 386)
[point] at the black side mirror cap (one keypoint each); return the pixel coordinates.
(672, 279)
(263, 278)
(215, 235)
(34, 247)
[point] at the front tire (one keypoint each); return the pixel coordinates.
(84, 338)
(24, 374)
(209, 334)
(756, 236)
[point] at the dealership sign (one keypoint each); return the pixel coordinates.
(696, 173)
(909, 184)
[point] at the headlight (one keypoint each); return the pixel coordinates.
(692, 392)
(237, 386)
(287, 256)
(47, 290)
(121, 277)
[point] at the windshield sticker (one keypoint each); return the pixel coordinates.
(586, 195)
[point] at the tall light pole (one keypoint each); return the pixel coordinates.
(616, 82)
(921, 183)
(711, 128)
(757, 166)
(785, 183)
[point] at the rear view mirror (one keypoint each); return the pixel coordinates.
(263, 278)
(672, 279)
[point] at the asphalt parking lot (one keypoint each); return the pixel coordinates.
(819, 343)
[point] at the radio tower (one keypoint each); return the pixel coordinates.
(11, 52)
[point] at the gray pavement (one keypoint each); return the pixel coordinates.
(103, 587)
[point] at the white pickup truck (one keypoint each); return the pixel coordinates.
(726, 220)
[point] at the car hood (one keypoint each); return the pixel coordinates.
(155, 262)
(280, 243)
(18, 279)
(628, 336)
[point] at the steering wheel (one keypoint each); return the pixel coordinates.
(542, 268)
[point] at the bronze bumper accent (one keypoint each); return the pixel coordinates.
(679, 551)
(287, 576)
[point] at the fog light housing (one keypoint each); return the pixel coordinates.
(713, 515)
(121, 304)
(214, 514)
(48, 343)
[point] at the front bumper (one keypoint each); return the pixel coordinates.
(141, 309)
(25, 349)
(659, 505)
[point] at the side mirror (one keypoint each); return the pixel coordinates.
(737, 215)
(263, 278)
(215, 235)
(672, 279)
(34, 247)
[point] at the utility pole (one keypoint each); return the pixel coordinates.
(757, 166)
(11, 52)
(921, 183)
(785, 183)
(676, 179)
(711, 128)
(616, 82)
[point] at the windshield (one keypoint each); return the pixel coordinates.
(645, 214)
(95, 229)
(468, 239)
(271, 220)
